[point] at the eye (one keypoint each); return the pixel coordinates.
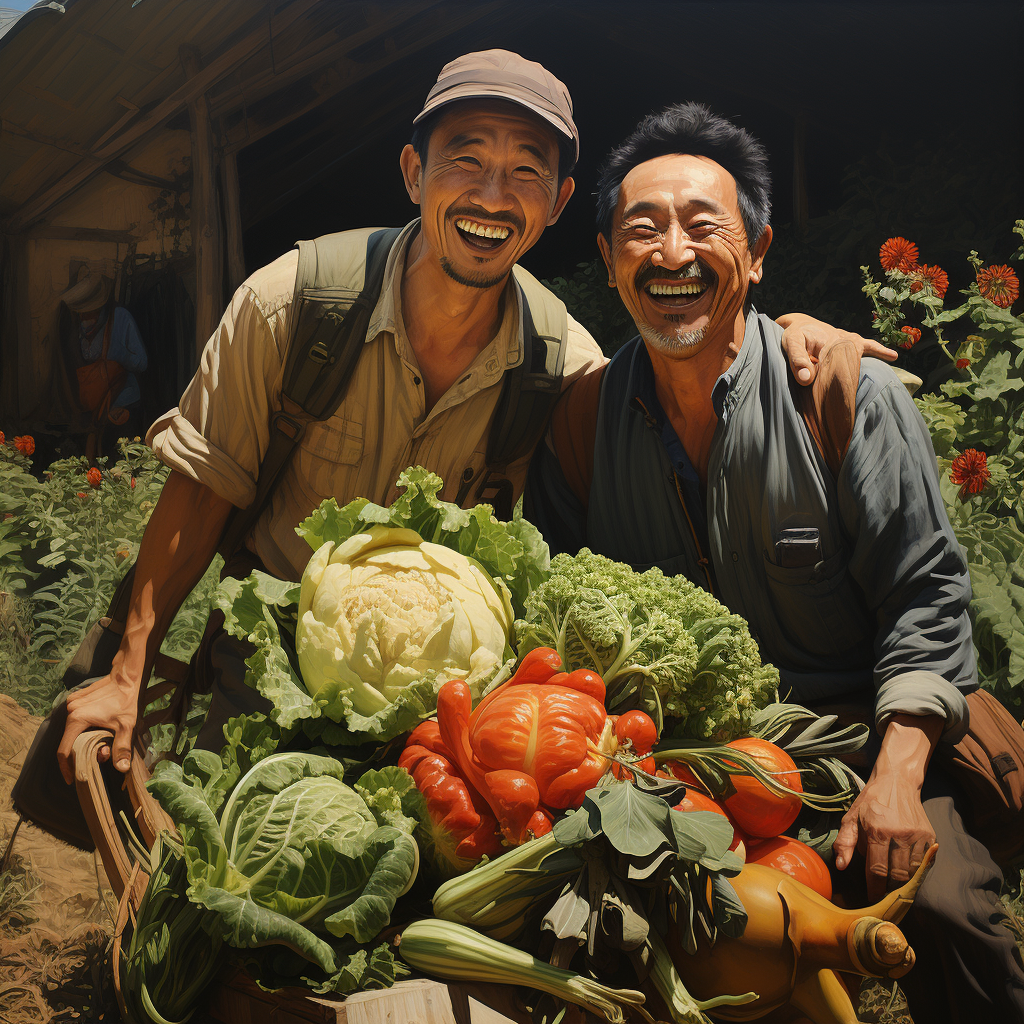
(471, 161)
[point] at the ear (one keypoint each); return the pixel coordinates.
(411, 170)
(756, 268)
(564, 192)
(606, 255)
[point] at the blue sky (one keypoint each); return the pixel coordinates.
(16, 5)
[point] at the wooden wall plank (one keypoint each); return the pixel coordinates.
(204, 218)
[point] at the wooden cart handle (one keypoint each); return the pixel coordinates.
(99, 815)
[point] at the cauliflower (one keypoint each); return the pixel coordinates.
(660, 643)
(382, 609)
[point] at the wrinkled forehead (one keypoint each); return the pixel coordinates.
(491, 121)
(677, 180)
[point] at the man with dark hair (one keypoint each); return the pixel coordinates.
(692, 451)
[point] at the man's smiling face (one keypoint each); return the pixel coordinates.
(679, 255)
(488, 189)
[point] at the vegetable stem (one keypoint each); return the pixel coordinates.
(454, 951)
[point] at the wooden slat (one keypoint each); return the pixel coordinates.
(194, 87)
(80, 234)
(204, 220)
(232, 220)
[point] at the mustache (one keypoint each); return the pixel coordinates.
(500, 217)
(697, 270)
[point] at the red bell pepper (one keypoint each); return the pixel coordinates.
(465, 828)
(538, 742)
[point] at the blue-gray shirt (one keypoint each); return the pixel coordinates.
(883, 601)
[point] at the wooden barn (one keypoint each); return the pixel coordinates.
(121, 128)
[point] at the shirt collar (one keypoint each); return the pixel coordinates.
(646, 396)
(504, 351)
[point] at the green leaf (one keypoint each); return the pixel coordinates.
(729, 913)
(579, 826)
(634, 822)
(392, 797)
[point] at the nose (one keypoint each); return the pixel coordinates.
(675, 251)
(491, 191)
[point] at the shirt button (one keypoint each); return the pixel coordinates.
(735, 556)
(416, 380)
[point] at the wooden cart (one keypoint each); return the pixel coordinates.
(238, 1000)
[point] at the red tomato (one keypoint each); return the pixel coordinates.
(754, 807)
(794, 858)
(638, 727)
(697, 801)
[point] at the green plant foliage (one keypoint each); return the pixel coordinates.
(590, 301)
(660, 643)
(977, 425)
(65, 543)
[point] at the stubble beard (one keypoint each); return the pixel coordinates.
(465, 279)
(672, 344)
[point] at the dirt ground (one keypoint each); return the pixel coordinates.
(56, 910)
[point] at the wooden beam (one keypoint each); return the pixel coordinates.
(71, 234)
(324, 50)
(256, 125)
(204, 218)
(232, 220)
(193, 88)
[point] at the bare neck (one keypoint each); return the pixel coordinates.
(448, 324)
(684, 387)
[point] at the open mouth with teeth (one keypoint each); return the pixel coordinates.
(482, 237)
(680, 292)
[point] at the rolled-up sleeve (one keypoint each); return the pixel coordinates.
(908, 564)
(220, 430)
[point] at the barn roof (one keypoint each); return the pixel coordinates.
(85, 82)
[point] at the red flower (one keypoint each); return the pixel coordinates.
(913, 337)
(970, 471)
(133, 483)
(3, 440)
(94, 476)
(25, 444)
(898, 254)
(999, 285)
(82, 494)
(962, 364)
(916, 286)
(936, 279)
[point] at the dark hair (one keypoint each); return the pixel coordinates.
(420, 141)
(691, 128)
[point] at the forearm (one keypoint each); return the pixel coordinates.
(177, 548)
(907, 747)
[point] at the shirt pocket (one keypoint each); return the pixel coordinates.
(818, 606)
(328, 451)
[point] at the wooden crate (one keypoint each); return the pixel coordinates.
(419, 1001)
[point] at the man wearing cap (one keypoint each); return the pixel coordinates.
(107, 354)
(489, 167)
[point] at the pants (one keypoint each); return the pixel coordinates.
(968, 968)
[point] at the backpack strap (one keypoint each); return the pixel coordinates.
(330, 328)
(529, 391)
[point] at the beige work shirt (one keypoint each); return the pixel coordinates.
(220, 430)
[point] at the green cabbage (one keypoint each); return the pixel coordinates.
(294, 857)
